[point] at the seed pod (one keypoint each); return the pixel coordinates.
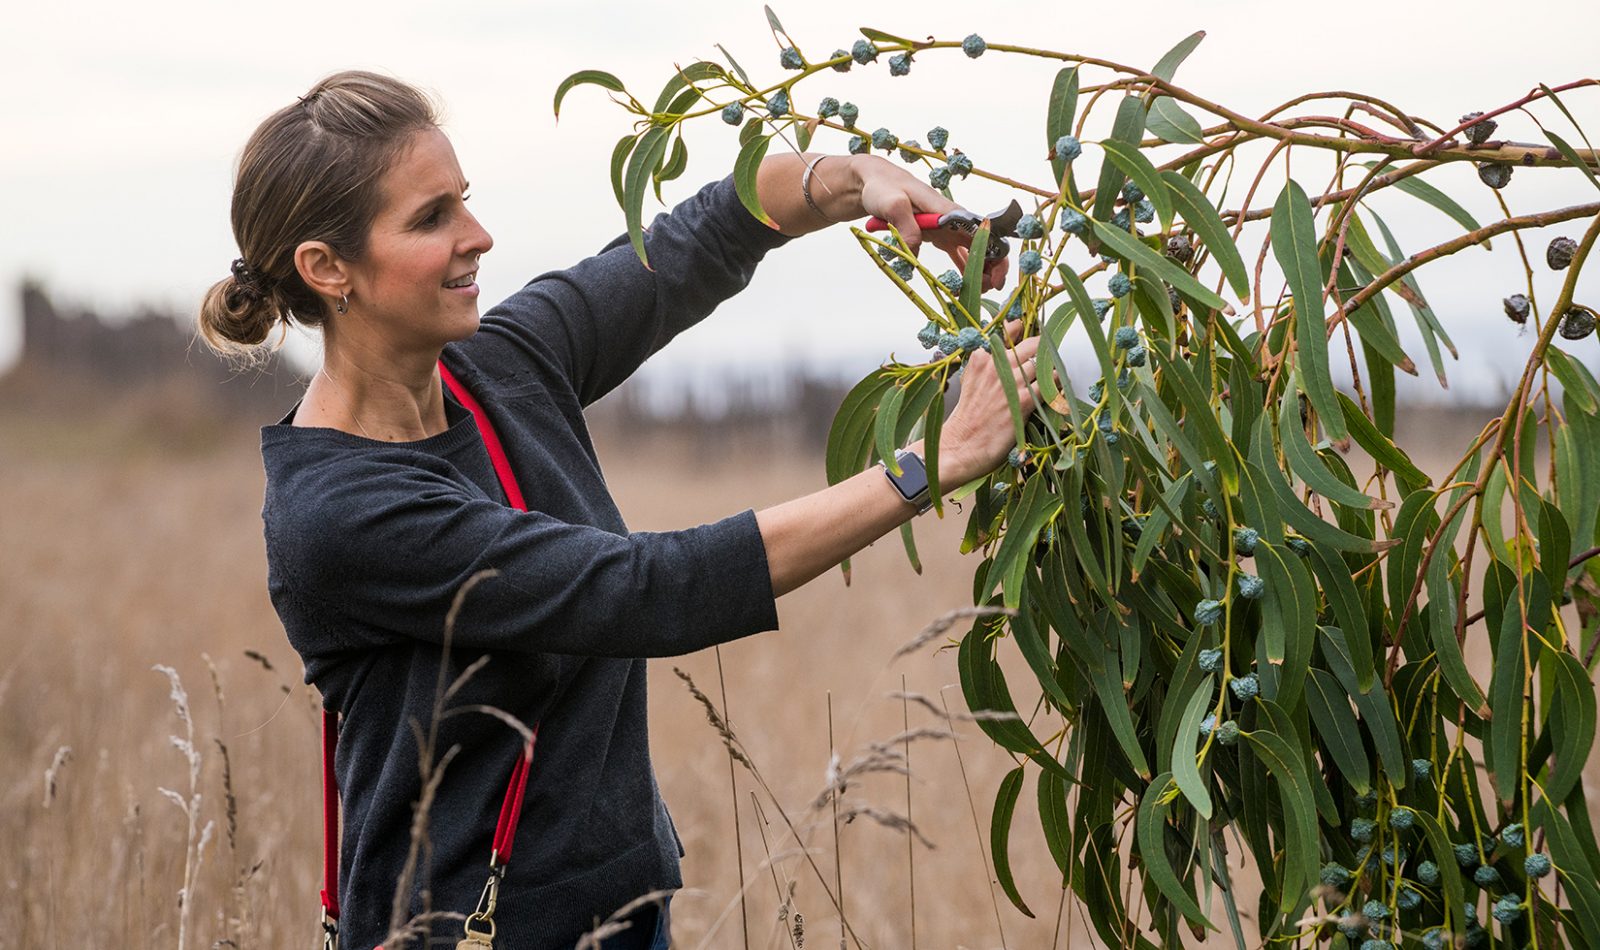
(1428, 873)
(1067, 148)
(733, 113)
(939, 177)
(974, 46)
(844, 65)
(864, 51)
(1494, 174)
(1126, 338)
(848, 113)
(1029, 228)
(937, 137)
(959, 164)
(1228, 733)
(900, 64)
(884, 140)
(1517, 308)
(1362, 830)
(1074, 222)
(1179, 248)
(1559, 254)
(778, 104)
(1577, 323)
(1030, 262)
(790, 58)
(908, 156)
(1478, 132)
(1210, 660)
(1245, 688)
(1208, 612)
(828, 107)
(858, 145)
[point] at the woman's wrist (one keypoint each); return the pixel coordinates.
(954, 471)
(834, 186)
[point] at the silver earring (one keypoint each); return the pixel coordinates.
(343, 304)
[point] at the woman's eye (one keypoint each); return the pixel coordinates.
(430, 220)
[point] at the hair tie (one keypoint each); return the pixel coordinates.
(248, 280)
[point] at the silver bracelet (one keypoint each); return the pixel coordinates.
(805, 186)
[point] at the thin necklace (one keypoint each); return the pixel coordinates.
(348, 404)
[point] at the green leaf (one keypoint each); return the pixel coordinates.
(1200, 418)
(1294, 511)
(772, 20)
(1303, 460)
(1097, 334)
(1417, 188)
(1572, 724)
(1005, 805)
(884, 425)
(878, 36)
(1058, 117)
(1442, 593)
(1153, 852)
(1336, 725)
(1033, 511)
(1201, 215)
(1571, 155)
(678, 93)
(1300, 817)
(931, 431)
(619, 156)
(1555, 545)
(1167, 66)
(972, 276)
(1056, 819)
(1449, 873)
(1185, 771)
(984, 687)
(736, 67)
(1573, 382)
(1568, 854)
(1170, 123)
(1008, 384)
(850, 436)
(1283, 613)
(1373, 704)
(1383, 451)
(586, 76)
(1131, 160)
(1522, 622)
(1345, 602)
(1105, 675)
(641, 165)
(1128, 126)
(1294, 244)
(1130, 248)
(744, 177)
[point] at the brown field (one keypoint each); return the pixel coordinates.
(122, 548)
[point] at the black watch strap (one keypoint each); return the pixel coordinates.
(912, 482)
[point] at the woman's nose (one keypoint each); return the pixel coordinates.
(479, 240)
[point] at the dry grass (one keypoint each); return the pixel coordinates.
(114, 562)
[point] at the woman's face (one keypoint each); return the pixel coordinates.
(423, 239)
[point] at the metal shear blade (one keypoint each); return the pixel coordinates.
(1002, 224)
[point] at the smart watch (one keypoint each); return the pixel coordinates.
(912, 483)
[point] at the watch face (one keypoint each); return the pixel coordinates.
(913, 481)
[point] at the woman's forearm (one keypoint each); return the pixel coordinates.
(810, 535)
(835, 187)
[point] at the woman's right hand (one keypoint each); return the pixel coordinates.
(978, 435)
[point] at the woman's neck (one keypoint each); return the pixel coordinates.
(380, 396)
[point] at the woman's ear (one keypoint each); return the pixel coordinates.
(322, 269)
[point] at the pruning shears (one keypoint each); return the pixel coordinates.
(1002, 224)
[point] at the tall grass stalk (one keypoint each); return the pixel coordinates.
(911, 851)
(733, 785)
(983, 852)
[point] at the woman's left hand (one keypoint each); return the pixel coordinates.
(897, 196)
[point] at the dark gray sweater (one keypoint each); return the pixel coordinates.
(368, 542)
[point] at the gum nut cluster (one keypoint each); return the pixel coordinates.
(1207, 612)
(1352, 927)
(1409, 898)
(906, 153)
(1030, 228)
(1179, 248)
(1137, 356)
(828, 107)
(1576, 324)
(1375, 910)
(1394, 858)
(1486, 876)
(903, 268)
(1074, 222)
(1251, 587)
(952, 280)
(1300, 546)
(948, 343)
(1210, 660)
(1120, 220)
(1014, 458)
(1428, 873)
(1402, 818)
(1559, 254)
(1536, 865)
(1367, 800)
(864, 52)
(1496, 175)
(1209, 507)
(1014, 312)
(733, 113)
(959, 164)
(778, 105)
(848, 113)
(1244, 541)
(1479, 132)
(938, 137)
(844, 64)
(974, 46)
(1466, 855)
(1228, 732)
(1119, 285)
(1068, 148)
(928, 336)
(939, 177)
(971, 338)
(884, 140)
(1362, 830)
(1335, 874)
(1376, 944)
(1245, 688)
(1421, 768)
(1030, 262)
(900, 64)
(1126, 337)
(1102, 306)
(858, 145)
(1517, 308)
(1131, 192)
(1144, 212)
(790, 58)
(1206, 725)
(1511, 836)
(1507, 910)
(1435, 939)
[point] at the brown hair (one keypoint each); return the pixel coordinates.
(309, 172)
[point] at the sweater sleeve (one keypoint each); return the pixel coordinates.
(387, 547)
(601, 318)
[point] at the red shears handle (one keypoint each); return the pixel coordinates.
(926, 220)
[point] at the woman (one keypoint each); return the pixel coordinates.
(382, 502)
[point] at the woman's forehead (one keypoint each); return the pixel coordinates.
(425, 170)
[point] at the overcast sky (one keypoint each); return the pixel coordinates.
(124, 122)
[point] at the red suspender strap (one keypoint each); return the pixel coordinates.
(511, 807)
